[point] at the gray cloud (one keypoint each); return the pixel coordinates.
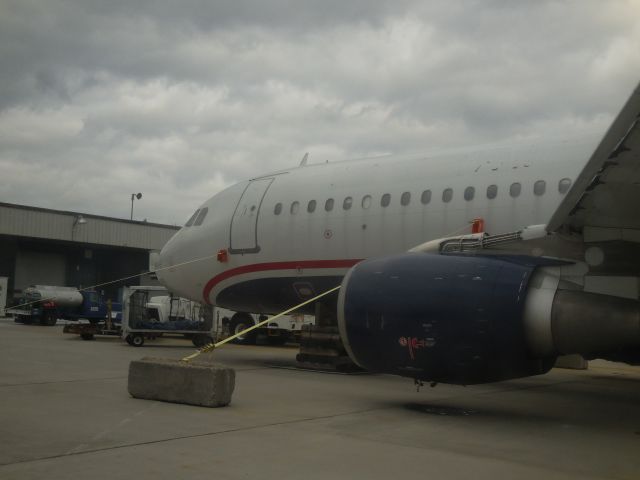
(101, 99)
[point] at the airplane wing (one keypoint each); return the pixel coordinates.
(604, 202)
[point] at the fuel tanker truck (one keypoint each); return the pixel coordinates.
(45, 304)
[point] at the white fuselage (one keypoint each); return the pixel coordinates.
(270, 232)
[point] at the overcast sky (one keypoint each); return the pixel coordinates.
(177, 100)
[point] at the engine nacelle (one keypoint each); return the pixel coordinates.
(441, 318)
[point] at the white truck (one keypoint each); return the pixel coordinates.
(278, 332)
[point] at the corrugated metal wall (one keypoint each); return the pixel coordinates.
(55, 225)
(39, 268)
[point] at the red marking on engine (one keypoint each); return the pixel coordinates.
(413, 344)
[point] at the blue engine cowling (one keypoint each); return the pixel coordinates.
(441, 318)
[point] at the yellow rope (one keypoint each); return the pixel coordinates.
(212, 346)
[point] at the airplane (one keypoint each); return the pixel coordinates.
(462, 267)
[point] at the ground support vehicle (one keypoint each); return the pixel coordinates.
(88, 331)
(111, 326)
(150, 312)
(320, 344)
(321, 347)
(281, 330)
(45, 304)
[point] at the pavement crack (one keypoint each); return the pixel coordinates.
(75, 452)
(5, 385)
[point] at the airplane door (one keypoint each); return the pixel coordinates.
(244, 224)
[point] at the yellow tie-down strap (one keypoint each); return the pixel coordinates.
(213, 346)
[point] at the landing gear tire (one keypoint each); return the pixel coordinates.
(137, 340)
(240, 322)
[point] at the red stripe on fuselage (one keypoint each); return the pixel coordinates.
(263, 267)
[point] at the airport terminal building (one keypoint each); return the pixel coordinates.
(53, 247)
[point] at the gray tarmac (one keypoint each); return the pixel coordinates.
(65, 413)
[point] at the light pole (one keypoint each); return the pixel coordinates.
(134, 195)
(78, 220)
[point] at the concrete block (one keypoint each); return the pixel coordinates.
(199, 382)
(573, 362)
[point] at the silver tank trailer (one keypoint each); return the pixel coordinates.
(63, 297)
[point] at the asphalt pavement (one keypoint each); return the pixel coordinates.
(65, 413)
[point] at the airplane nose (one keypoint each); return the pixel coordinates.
(165, 268)
(188, 260)
(185, 263)
(176, 270)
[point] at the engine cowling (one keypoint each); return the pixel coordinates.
(440, 318)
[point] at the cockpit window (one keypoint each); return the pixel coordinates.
(201, 215)
(192, 219)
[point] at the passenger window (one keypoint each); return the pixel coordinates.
(469, 193)
(515, 189)
(492, 192)
(192, 219)
(447, 195)
(385, 200)
(347, 203)
(405, 199)
(539, 187)
(328, 205)
(366, 202)
(426, 197)
(311, 206)
(277, 209)
(201, 215)
(564, 185)
(295, 207)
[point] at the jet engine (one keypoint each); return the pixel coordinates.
(467, 319)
